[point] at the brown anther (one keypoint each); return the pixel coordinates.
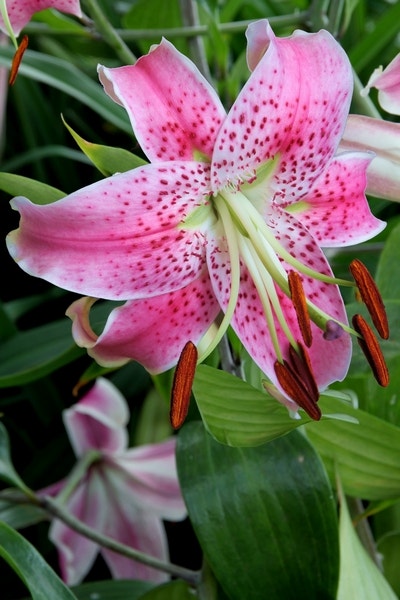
(295, 388)
(371, 297)
(300, 306)
(303, 367)
(17, 59)
(372, 351)
(182, 385)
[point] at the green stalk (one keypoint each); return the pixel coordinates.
(108, 33)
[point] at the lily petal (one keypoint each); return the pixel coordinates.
(174, 111)
(118, 238)
(387, 82)
(20, 12)
(77, 553)
(382, 138)
(335, 210)
(152, 331)
(141, 531)
(151, 477)
(330, 359)
(288, 108)
(98, 420)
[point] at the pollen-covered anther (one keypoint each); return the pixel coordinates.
(297, 386)
(182, 385)
(299, 301)
(372, 351)
(371, 297)
(16, 61)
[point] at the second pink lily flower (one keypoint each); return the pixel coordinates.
(230, 204)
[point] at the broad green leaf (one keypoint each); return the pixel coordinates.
(265, 516)
(359, 576)
(108, 160)
(389, 547)
(174, 590)
(388, 271)
(32, 354)
(52, 150)
(66, 77)
(237, 414)
(366, 455)
(112, 590)
(7, 471)
(31, 568)
(36, 191)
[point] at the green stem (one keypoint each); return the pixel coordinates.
(363, 104)
(77, 474)
(108, 33)
(297, 19)
(56, 510)
(190, 17)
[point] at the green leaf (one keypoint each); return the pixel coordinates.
(7, 471)
(174, 590)
(30, 355)
(384, 31)
(359, 576)
(18, 515)
(36, 191)
(388, 271)
(64, 76)
(265, 516)
(389, 547)
(30, 566)
(112, 590)
(107, 160)
(366, 455)
(237, 414)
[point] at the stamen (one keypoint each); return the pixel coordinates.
(371, 297)
(372, 351)
(182, 385)
(17, 59)
(294, 387)
(303, 367)
(299, 301)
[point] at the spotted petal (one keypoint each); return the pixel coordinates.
(98, 420)
(335, 209)
(293, 106)
(174, 111)
(20, 12)
(152, 331)
(118, 238)
(330, 359)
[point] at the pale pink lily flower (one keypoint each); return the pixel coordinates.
(124, 494)
(383, 139)
(387, 82)
(228, 206)
(15, 14)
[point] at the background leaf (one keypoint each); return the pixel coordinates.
(30, 566)
(265, 516)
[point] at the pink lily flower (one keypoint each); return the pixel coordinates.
(387, 82)
(15, 14)
(229, 207)
(383, 139)
(124, 494)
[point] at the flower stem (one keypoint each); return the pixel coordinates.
(190, 17)
(363, 103)
(56, 510)
(108, 33)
